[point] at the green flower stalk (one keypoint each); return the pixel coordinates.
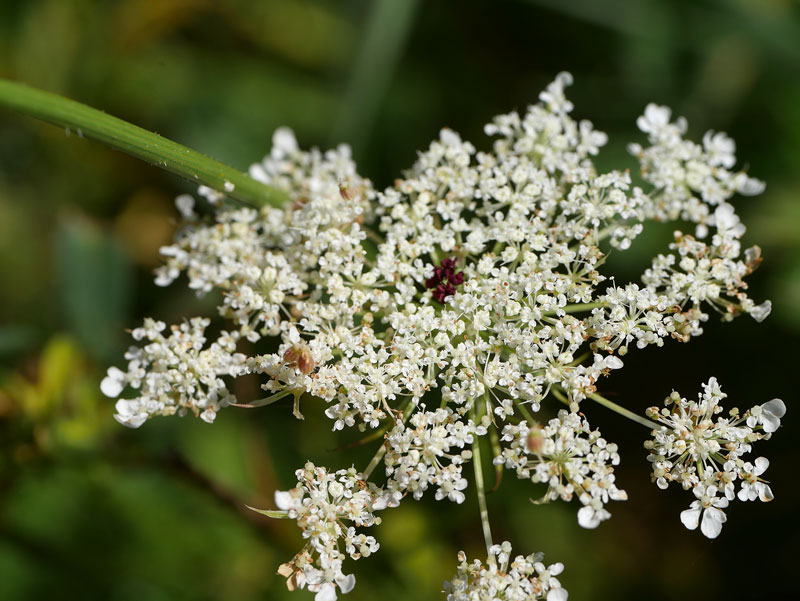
(138, 142)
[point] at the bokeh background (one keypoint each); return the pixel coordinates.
(90, 510)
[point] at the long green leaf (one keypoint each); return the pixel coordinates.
(138, 142)
(271, 513)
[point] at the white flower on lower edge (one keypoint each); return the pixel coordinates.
(709, 506)
(322, 580)
(503, 577)
(321, 503)
(589, 517)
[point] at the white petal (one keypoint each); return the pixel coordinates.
(613, 362)
(751, 186)
(284, 141)
(557, 594)
(762, 463)
(113, 384)
(729, 491)
(283, 499)
(327, 592)
(346, 583)
(712, 522)
(449, 137)
(765, 493)
(258, 173)
(111, 387)
(776, 409)
(616, 494)
(769, 422)
(690, 518)
(131, 421)
(185, 205)
(587, 518)
(762, 311)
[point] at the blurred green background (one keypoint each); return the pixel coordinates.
(89, 510)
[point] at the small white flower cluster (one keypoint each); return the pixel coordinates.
(175, 373)
(321, 503)
(423, 453)
(451, 306)
(681, 169)
(702, 451)
(523, 579)
(570, 458)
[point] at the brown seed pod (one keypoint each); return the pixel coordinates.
(299, 356)
(535, 442)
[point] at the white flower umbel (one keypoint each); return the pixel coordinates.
(324, 505)
(175, 373)
(570, 458)
(430, 450)
(518, 579)
(702, 450)
(454, 305)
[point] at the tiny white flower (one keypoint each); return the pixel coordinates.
(654, 119)
(185, 205)
(709, 506)
(129, 413)
(762, 311)
(283, 141)
(114, 382)
(769, 415)
(752, 487)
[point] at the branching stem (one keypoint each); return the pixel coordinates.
(622, 411)
(382, 451)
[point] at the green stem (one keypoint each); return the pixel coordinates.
(524, 410)
(480, 487)
(138, 142)
(382, 451)
(497, 450)
(622, 411)
(376, 459)
(577, 308)
(273, 398)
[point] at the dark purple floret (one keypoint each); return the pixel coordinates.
(457, 278)
(444, 280)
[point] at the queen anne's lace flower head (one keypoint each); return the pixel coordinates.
(455, 304)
